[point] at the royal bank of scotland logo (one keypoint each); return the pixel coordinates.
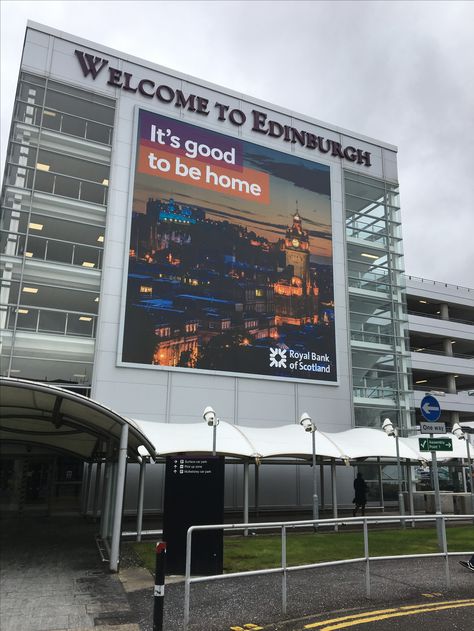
(277, 358)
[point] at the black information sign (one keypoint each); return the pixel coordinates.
(194, 495)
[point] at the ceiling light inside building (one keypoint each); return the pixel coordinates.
(422, 381)
(23, 311)
(105, 182)
(423, 302)
(88, 264)
(100, 238)
(85, 318)
(370, 256)
(96, 299)
(48, 113)
(29, 254)
(42, 167)
(30, 290)
(35, 226)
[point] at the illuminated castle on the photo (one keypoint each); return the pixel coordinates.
(296, 293)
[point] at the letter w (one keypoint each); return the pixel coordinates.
(89, 63)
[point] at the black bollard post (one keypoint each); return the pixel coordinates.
(159, 590)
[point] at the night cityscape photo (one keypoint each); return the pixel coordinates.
(225, 284)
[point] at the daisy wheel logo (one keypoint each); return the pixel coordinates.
(277, 358)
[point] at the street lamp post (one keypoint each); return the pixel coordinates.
(390, 430)
(211, 419)
(457, 431)
(309, 426)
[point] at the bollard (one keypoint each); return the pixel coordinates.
(159, 590)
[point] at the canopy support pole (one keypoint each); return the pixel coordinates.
(246, 497)
(321, 484)
(87, 487)
(257, 490)
(105, 515)
(119, 494)
(334, 492)
(141, 495)
(380, 475)
(98, 473)
(410, 491)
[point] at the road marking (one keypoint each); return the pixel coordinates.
(433, 595)
(384, 614)
(247, 627)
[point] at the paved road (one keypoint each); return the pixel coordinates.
(315, 595)
(51, 578)
(435, 613)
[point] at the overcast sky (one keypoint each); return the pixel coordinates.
(400, 72)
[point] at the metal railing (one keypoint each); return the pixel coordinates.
(284, 568)
(438, 283)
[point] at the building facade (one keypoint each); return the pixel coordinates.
(168, 244)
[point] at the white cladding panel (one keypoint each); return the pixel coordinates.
(173, 395)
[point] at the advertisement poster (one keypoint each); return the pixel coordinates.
(230, 263)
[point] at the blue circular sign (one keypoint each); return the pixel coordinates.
(430, 408)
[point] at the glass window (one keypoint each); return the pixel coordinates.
(75, 167)
(81, 106)
(61, 298)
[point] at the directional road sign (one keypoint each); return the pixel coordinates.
(430, 408)
(435, 444)
(426, 427)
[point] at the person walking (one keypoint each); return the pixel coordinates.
(360, 497)
(468, 564)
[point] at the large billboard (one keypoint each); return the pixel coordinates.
(230, 263)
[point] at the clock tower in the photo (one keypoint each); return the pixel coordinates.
(297, 249)
(296, 293)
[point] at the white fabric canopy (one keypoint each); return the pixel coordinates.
(287, 441)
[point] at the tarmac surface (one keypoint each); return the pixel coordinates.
(52, 578)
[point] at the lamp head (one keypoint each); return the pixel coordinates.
(457, 431)
(210, 416)
(307, 423)
(388, 427)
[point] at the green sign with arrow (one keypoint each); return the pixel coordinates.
(435, 444)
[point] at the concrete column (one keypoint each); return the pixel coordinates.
(448, 347)
(451, 383)
(444, 312)
(118, 504)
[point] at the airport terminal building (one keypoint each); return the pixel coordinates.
(168, 244)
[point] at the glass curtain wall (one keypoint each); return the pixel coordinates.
(377, 304)
(52, 231)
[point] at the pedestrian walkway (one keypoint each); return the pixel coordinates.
(51, 577)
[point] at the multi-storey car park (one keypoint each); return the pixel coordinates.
(167, 245)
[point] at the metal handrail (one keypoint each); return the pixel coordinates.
(284, 568)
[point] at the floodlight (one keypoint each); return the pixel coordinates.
(388, 427)
(457, 431)
(307, 423)
(210, 416)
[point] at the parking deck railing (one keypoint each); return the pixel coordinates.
(284, 568)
